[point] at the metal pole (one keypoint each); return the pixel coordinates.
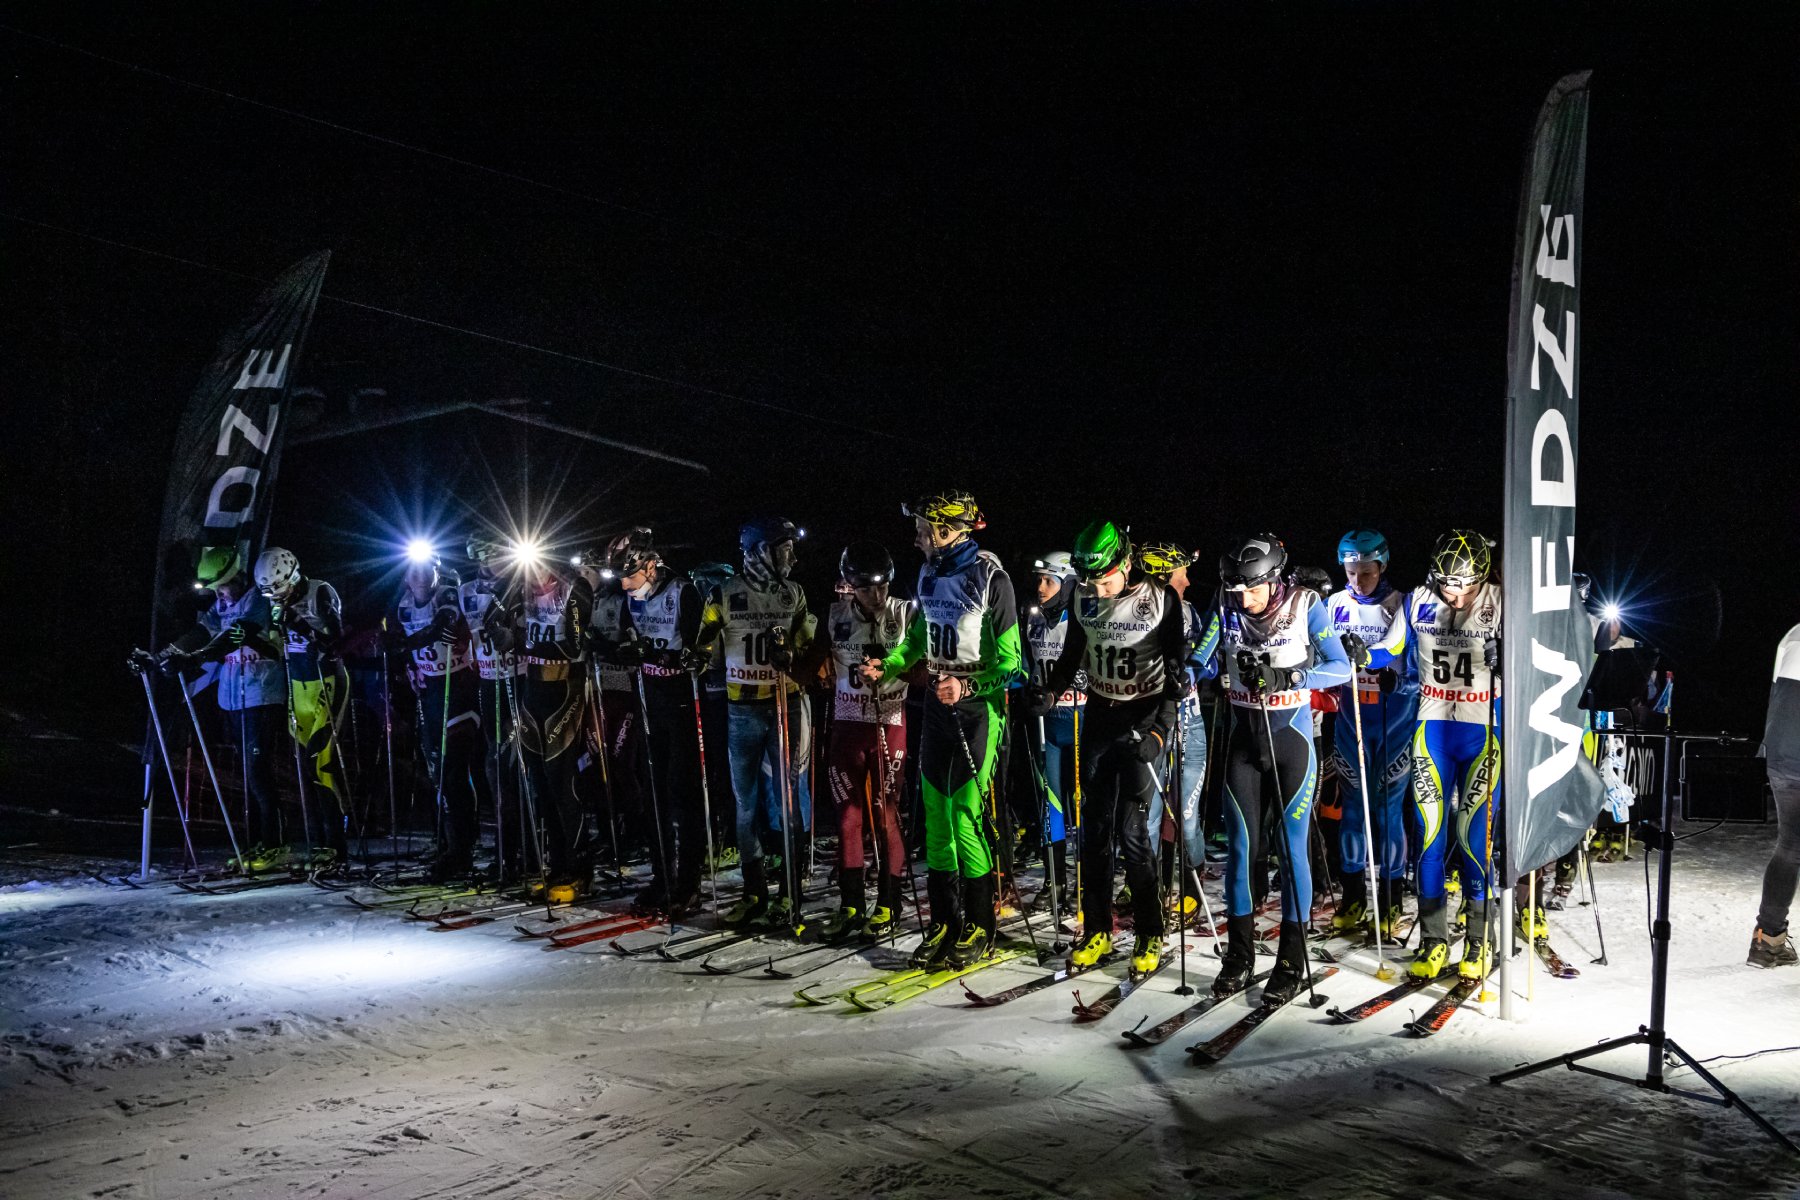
(712, 868)
(387, 732)
(206, 757)
(169, 766)
(1382, 970)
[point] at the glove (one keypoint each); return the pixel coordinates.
(1277, 679)
(1491, 654)
(173, 662)
(690, 659)
(631, 652)
(1388, 679)
(234, 637)
(441, 624)
(1150, 745)
(139, 661)
(780, 657)
(1038, 701)
(1356, 648)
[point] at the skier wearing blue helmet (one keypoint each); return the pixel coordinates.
(1363, 615)
(760, 620)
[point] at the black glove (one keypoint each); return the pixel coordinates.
(780, 657)
(1388, 679)
(631, 652)
(691, 659)
(1356, 648)
(441, 624)
(1491, 654)
(139, 661)
(173, 662)
(1276, 679)
(1038, 701)
(1150, 745)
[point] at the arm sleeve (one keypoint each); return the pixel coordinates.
(1332, 667)
(911, 649)
(1205, 658)
(1393, 646)
(1000, 655)
(712, 624)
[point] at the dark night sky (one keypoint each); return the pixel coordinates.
(1204, 275)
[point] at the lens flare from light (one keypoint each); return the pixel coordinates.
(1609, 612)
(527, 553)
(420, 550)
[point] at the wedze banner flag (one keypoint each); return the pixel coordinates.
(222, 471)
(1552, 792)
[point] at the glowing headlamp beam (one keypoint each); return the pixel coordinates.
(420, 550)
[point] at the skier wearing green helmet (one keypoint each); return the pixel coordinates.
(231, 645)
(1169, 562)
(966, 629)
(1128, 636)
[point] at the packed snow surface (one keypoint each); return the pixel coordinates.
(281, 1043)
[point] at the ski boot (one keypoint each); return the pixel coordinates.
(746, 911)
(843, 925)
(1353, 913)
(1389, 909)
(780, 914)
(1148, 956)
(568, 891)
(1431, 958)
(725, 859)
(1290, 965)
(1090, 950)
(686, 903)
(1239, 964)
(978, 919)
(945, 929)
(1769, 950)
(1476, 958)
(1534, 931)
(887, 907)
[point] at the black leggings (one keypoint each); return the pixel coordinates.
(1784, 863)
(459, 744)
(550, 733)
(675, 759)
(1117, 790)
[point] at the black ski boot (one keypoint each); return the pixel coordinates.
(946, 919)
(1238, 966)
(978, 919)
(1290, 965)
(849, 919)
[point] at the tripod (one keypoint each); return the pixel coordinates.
(1655, 1035)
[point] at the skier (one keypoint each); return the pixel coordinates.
(1128, 637)
(762, 622)
(233, 645)
(1363, 615)
(427, 624)
(1451, 627)
(618, 723)
(1275, 644)
(547, 627)
(496, 692)
(662, 612)
(1168, 562)
(865, 751)
(1770, 945)
(966, 631)
(309, 618)
(1053, 715)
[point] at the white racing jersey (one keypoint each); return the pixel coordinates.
(752, 615)
(436, 659)
(1448, 647)
(478, 597)
(547, 619)
(1047, 641)
(1123, 660)
(1370, 620)
(855, 637)
(657, 619)
(954, 607)
(1288, 645)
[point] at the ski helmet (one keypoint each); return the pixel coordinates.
(765, 531)
(710, 577)
(1257, 559)
(484, 551)
(1461, 558)
(1316, 578)
(956, 509)
(1363, 546)
(218, 565)
(866, 564)
(1057, 564)
(277, 572)
(631, 552)
(1100, 549)
(1162, 559)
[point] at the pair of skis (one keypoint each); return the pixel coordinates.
(896, 987)
(1433, 1019)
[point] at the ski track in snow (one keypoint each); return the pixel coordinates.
(278, 1043)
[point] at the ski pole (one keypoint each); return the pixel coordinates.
(1382, 970)
(1594, 894)
(387, 736)
(784, 769)
(1041, 765)
(1075, 808)
(206, 757)
(169, 766)
(1285, 854)
(1162, 796)
(662, 853)
(606, 783)
(890, 780)
(712, 862)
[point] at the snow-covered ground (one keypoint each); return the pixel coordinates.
(280, 1043)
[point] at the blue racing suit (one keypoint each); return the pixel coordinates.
(1389, 705)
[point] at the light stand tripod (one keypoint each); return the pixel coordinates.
(1655, 1035)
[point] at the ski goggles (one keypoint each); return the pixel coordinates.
(1459, 582)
